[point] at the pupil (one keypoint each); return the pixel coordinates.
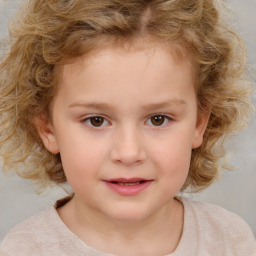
(157, 120)
(96, 121)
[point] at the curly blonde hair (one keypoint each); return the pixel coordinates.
(45, 33)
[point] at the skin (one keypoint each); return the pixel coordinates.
(126, 88)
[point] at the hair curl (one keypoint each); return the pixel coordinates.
(46, 32)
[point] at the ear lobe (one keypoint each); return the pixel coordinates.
(201, 126)
(45, 131)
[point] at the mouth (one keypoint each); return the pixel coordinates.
(128, 187)
(128, 182)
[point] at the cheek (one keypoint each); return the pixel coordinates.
(174, 170)
(172, 158)
(81, 170)
(81, 158)
(175, 162)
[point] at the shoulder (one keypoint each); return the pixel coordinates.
(218, 218)
(226, 229)
(31, 234)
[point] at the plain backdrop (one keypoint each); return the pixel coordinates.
(236, 191)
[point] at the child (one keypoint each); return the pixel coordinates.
(130, 102)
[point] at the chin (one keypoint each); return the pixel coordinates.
(129, 215)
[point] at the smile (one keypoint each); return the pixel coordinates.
(128, 187)
(128, 183)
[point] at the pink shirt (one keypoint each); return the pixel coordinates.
(208, 230)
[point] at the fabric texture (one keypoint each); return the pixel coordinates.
(208, 230)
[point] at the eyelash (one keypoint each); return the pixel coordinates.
(166, 119)
(88, 120)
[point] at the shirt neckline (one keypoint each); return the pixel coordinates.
(71, 242)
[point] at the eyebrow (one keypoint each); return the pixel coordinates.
(167, 103)
(106, 106)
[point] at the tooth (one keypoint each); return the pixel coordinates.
(129, 183)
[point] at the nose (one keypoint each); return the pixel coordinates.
(127, 147)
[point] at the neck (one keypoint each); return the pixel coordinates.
(157, 234)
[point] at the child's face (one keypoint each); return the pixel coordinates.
(125, 123)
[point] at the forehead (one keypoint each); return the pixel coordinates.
(149, 74)
(118, 51)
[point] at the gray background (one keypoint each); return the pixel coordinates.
(236, 191)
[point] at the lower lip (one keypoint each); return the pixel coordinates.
(128, 190)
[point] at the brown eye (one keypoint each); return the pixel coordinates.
(96, 121)
(158, 120)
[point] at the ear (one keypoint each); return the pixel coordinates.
(202, 121)
(45, 131)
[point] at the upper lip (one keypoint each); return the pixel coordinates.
(127, 180)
